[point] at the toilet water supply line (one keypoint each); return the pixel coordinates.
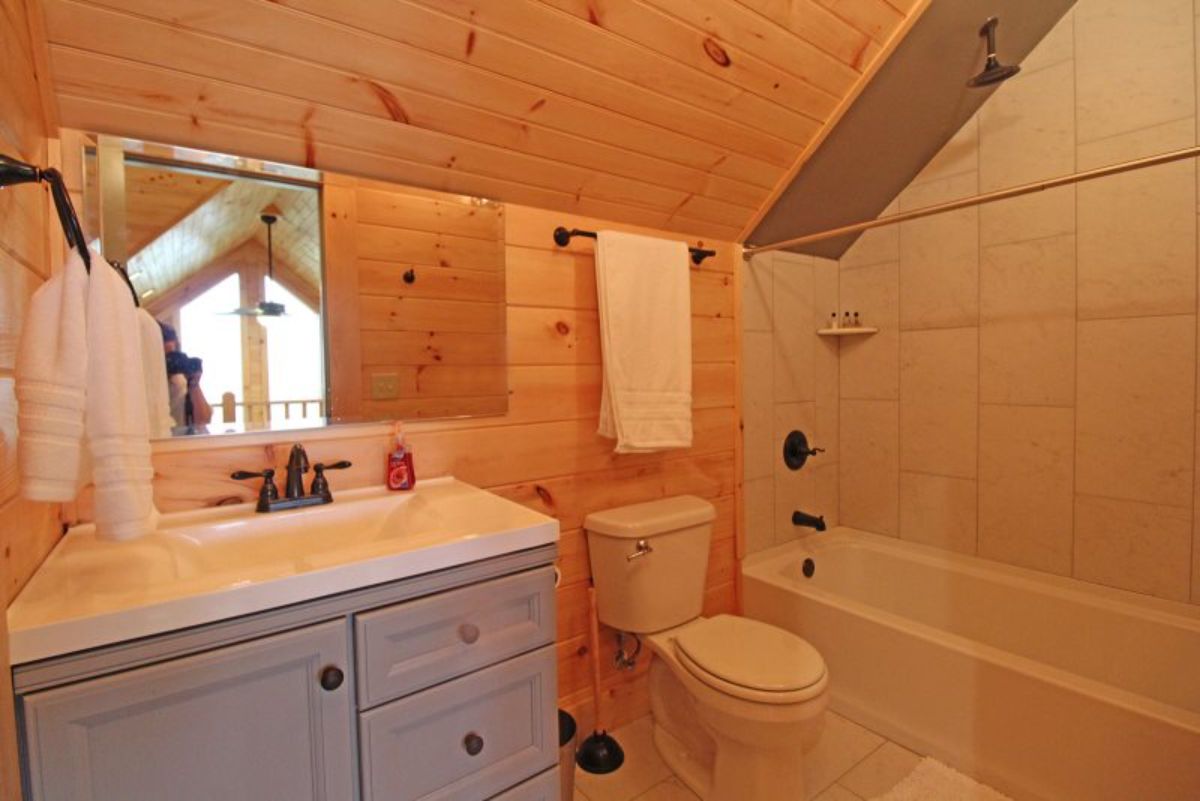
(623, 660)
(978, 200)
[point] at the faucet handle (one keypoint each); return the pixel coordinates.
(269, 491)
(320, 485)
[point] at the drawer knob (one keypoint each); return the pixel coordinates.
(332, 678)
(468, 632)
(473, 743)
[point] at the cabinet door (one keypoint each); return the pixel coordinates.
(250, 722)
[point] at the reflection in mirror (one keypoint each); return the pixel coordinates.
(416, 297)
(265, 326)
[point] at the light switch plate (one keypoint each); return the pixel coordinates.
(385, 386)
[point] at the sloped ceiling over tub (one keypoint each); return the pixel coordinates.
(912, 108)
(677, 114)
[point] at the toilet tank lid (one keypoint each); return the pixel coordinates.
(653, 517)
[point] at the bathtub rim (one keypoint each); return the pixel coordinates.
(1164, 610)
(766, 566)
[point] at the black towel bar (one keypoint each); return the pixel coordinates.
(562, 236)
(13, 172)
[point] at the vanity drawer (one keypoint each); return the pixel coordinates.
(413, 645)
(467, 739)
(543, 787)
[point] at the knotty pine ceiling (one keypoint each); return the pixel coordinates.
(686, 115)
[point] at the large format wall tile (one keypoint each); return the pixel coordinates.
(870, 365)
(1141, 54)
(1027, 129)
(1026, 478)
(758, 509)
(939, 258)
(936, 510)
(1137, 243)
(1056, 47)
(939, 401)
(756, 293)
(1027, 322)
(1136, 412)
(1134, 546)
(794, 326)
(826, 366)
(869, 467)
(1037, 216)
(757, 407)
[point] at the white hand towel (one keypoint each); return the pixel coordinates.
(51, 385)
(644, 292)
(118, 422)
(154, 365)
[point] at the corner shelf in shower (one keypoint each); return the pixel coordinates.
(847, 332)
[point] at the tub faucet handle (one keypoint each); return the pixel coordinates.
(643, 548)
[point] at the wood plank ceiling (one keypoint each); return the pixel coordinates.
(686, 115)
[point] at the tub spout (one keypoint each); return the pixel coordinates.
(812, 521)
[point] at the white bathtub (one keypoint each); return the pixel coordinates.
(1044, 687)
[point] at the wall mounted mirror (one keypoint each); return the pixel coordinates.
(291, 298)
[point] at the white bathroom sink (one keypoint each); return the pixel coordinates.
(213, 564)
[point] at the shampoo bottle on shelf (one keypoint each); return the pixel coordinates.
(400, 474)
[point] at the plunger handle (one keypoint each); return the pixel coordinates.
(594, 621)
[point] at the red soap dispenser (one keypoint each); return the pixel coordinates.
(400, 474)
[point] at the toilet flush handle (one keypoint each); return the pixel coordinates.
(643, 548)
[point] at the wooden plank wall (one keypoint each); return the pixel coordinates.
(441, 337)
(544, 451)
(27, 247)
(679, 114)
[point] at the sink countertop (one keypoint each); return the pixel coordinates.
(214, 564)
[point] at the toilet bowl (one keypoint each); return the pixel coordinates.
(735, 702)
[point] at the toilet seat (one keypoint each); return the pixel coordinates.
(751, 660)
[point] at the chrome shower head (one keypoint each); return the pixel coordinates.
(993, 70)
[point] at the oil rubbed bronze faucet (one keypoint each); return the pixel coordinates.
(812, 521)
(294, 495)
(297, 466)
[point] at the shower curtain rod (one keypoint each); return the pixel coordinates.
(978, 200)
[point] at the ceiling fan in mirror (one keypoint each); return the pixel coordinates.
(265, 308)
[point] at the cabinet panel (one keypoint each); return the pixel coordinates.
(413, 645)
(543, 787)
(466, 739)
(243, 723)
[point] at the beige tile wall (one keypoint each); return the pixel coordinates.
(1031, 396)
(790, 381)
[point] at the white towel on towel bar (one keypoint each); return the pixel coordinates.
(644, 291)
(51, 385)
(154, 363)
(117, 420)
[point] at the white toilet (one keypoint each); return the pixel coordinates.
(736, 702)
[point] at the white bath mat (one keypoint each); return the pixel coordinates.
(933, 781)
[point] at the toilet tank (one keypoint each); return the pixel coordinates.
(642, 590)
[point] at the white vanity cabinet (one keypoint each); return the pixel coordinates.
(440, 686)
(249, 721)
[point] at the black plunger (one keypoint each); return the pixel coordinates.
(600, 752)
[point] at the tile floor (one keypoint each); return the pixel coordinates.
(850, 763)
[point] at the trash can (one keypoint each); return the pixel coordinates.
(566, 755)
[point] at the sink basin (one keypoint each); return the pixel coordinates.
(212, 564)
